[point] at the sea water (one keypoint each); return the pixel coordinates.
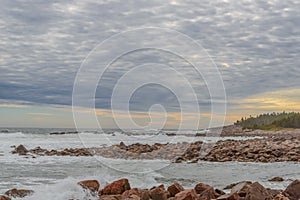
(55, 177)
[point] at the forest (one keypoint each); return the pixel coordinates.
(271, 121)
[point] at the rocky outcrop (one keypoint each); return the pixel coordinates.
(115, 188)
(90, 185)
(15, 193)
(174, 189)
(187, 195)
(21, 150)
(276, 179)
(159, 193)
(4, 197)
(293, 190)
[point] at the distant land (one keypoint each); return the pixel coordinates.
(271, 121)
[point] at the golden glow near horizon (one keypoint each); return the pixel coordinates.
(61, 116)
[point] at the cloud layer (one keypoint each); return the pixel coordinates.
(255, 45)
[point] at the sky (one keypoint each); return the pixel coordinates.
(252, 46)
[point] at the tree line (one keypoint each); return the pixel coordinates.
(271, 121)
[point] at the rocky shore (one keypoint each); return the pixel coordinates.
(121, 190)
(268, 149)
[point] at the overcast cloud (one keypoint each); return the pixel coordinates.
(255, 45)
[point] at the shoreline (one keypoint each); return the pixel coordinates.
(121, 190)
(274, 148)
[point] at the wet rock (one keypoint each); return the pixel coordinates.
(293, 190)
(201, 187)
(91, 185)
(18, 193)
(116, 187)
(207, 194)
(241, 188)
(4, 197)
(276, 179)
(111, 197)
(232, 196)
(174, 189)
(257, 191)
(186, 195)
(159, 193)
(144, 194)
(21, 150)
(132, 197)
(133, 191)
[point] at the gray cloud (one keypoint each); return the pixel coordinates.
(43, 44)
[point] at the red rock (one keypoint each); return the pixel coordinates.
(257, 191)
(174, 189)
(133, 191)
(293, 190)
(111, 197)
(232, 196)
(241, 188)
(92, 185)
(133, 197)
(116, 187)
(276, 179)
(145, 194)
(201, 187)
(159, 193)
(4, 198)
(208, 194)
(18, 193)
(186, 195)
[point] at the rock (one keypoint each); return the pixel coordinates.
(201, 187)
(257, 191)
(293, 190)
(132, 197)
(219, 192)
(232, 196)
(276, 179)
(92, 185)
(281, 197)
(133, 191)
(208, 194)
(174, 189)
(111, 197)
(116, 187)
(21, 150)
(4, 197)
(145, 194)
(186, 195)
(241, 188)
(18, 193)
(159, 193)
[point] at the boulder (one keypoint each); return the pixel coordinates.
(145, 194)
(241, 188)
(111, 197)
(257, 191)
(4, 197)
(232, 196)
(116, 187)
(133, 191)
(186, 195)
(174, 189)
(208, 194)
(21, 150)
(18, 193)
(92, 185)
(132, 197)
(159, 193)
(276, 179)
(201, 187)
(293, 190)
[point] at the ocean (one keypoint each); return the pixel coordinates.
(56, 177)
